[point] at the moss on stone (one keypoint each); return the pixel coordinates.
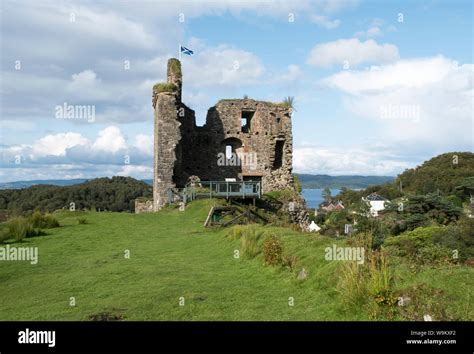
(175, 67)
(164, 87)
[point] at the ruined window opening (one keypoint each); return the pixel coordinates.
(245, 121)
(278, 161)
(228, 152)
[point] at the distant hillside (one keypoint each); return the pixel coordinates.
(113, 194)
(307, 181)
(353, 182)
(444, 172)
(54, 182)
(450, 174)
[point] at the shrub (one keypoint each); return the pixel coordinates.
(20, 227)
(175, 66)
(82, 221)
(370, 283)
(424, 299)
(164, 87)
(297, 183)
(272, 251)
(43, 221)
(290, 261)
(458, 237)
(237, 231)
(417, 246)
(4, 234)
(288, 102)
(249, 245)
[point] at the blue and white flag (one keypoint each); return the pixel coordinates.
(187, 51)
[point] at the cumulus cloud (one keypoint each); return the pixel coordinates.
(347, 161)
(353, 51)
(110, 139)
(292, 73)
(110, 147)
(56, 144)
(84, 79)
(424, 100)
(223, 65)
(144, 144)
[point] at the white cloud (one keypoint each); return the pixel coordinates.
(56, 144)
(353, 51)
(110, 139)
(223, 65)
(425, 101)
(136, 170)
(68, 147)
(293, 73)
(332, 6)
(144, 143)
(84, 79)
(347, 161)
(325, 22)
(411, 73)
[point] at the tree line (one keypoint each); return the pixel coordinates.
(105, 194)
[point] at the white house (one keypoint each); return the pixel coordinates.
(313, 227)
(376, 203)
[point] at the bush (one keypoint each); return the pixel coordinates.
(458, 238)
(418, 247)
(272, 251)
(43, 221)
(4, 234)
(238, 231)
(297, 184)
(249, 245)
(82, 221)
(370, 283)
(290, 261)
(164, 87)
(20, 227)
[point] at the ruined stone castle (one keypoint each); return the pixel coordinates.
(242, 139)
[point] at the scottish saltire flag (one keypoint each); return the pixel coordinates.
(187, 51)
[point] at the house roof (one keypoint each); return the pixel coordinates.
(374, 197)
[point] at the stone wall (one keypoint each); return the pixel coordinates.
(264, 146)
(143, 206)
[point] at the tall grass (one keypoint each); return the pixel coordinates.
(46, 221)
(249, 245)
(372, 280)
(249, 236)
(20, 227)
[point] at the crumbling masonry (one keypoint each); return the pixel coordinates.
(242, 139)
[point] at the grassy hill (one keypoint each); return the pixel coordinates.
(173, 256)
(443, 172)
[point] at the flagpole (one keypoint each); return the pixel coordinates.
(179, 52)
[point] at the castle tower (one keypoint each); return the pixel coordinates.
(174, 75)
(258, 132)
(166, 102)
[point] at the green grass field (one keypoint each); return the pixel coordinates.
(173, 257)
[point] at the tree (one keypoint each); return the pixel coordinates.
(326, 194)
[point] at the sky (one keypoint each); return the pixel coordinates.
(378, 87)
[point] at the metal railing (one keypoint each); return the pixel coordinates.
(216, 189)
